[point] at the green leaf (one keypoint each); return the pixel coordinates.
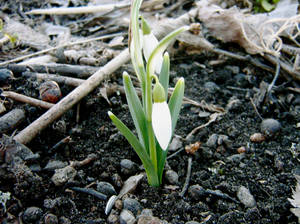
(161, 160)
(161, 47)
(165, 73)
(136, 145)
(175, 101)
(136, 110)
(267, 6)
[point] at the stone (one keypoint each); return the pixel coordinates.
(128, 167)
(50, 219)
(172, 177)
(63, 175)
(55, 164)
(32, 215)
(126, 217)
(106, 188)
(196, 192)
(212, 141)
(211, 87)
(270, 127)
(245, 197)
(132, 205)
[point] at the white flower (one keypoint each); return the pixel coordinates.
(149, 44)
(162, 123)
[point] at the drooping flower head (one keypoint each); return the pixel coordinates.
(161, 116)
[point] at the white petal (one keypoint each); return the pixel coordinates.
(162, 124)
(149, 44)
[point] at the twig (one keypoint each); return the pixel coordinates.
(61, 46)
(79, 71)
(175, 153)
(284, 66)
(27, 134)
(275, 76)
(255, 109)
(61, 142)
(90, 158)
(188, 177)
(212, 119)
(78, 10)
(90, 191)
(27, 99)
(57, 78)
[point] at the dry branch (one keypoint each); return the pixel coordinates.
(72, 98)
(80, 71)
(57, 78)
(27, 99)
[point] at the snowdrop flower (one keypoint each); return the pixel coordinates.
(149, 44)
(161, 117)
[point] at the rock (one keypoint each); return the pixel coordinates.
(55, 164)
(270, 127)
(245, 196)
(113, 218)
(128, 167)
(241, 80)
(235, 158)
(35, 167)
(175, 144)
(192, 222)
(64, 220)
(32, 215)
(132, 205)
(144, 219)
(196, 192)
(211, 87)
(63, 175)
(50, 219)
(126, 217)
(204, 114)
(130, 184)
(257, 137)
(212, 141)
(117, 180)
(106, 188)
(171, 176)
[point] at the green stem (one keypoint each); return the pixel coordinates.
(152, 148)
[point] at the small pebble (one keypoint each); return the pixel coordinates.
(132, 205)
(50, 219)
(50, 92)
(106, 188)
(63, 175)
(55, 164)
(5, 76)
(270, 127)
(113, 218)
(242, 149)
(235, 158)
(212, 141)
(130, 184)
(203, 114)
(128, 167)
(172, 177)
(192, 222)
(32, 215)
(175, 144)
(117, 180)
(196, 192)
(64, 220)
(245, 197)
(126, 217)
(211, 87)
(257, 137)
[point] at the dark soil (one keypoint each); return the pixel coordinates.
(265, 168)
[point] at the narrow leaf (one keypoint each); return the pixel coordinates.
(136, 145)
(165, 73)
(136, 110)
(175, 101)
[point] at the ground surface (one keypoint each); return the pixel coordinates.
(265, 168)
